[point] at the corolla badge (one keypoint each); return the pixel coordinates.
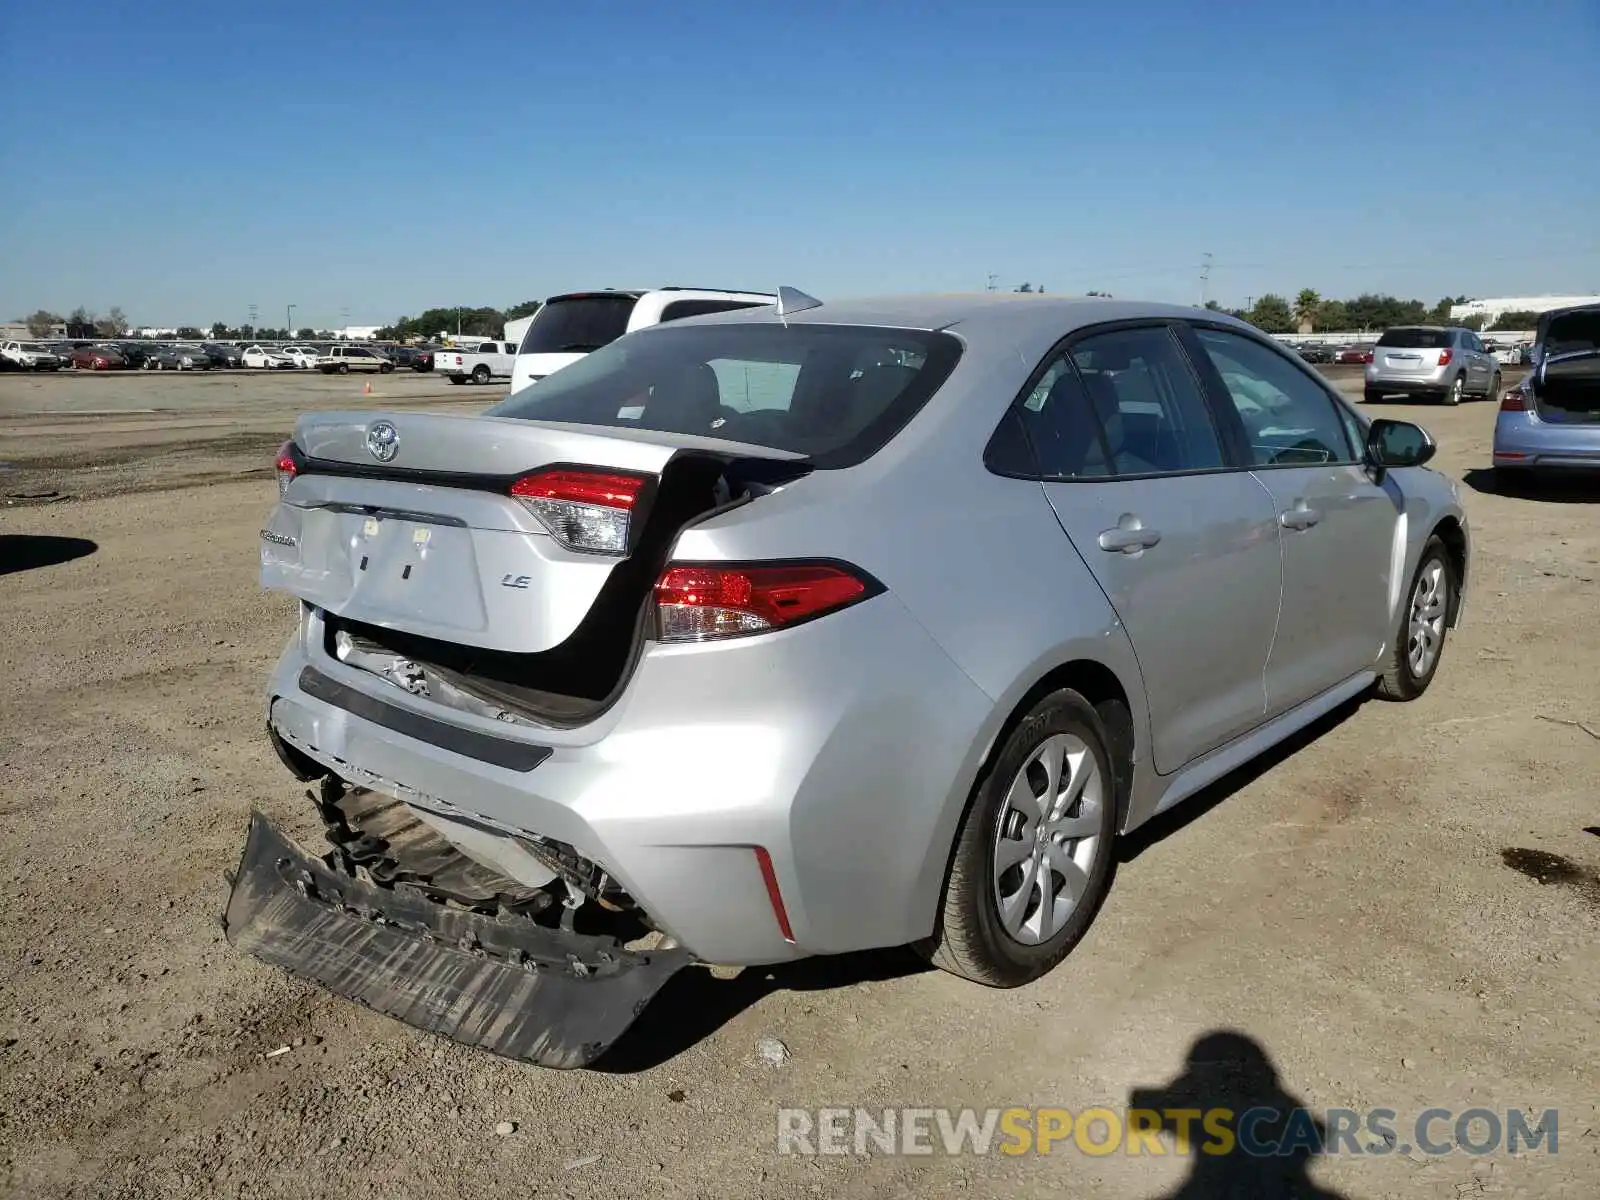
(383, 440)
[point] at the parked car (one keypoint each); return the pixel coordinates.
(97, 358)
(1316, 352)
(30, 356)
(179, 358)
(401, 356)
(477, 361)
(135, 354)
(344, 359)
(304, 357)
(423, 360)
(1445, 363)
(567, 327)
(804, 630)
(1551, 420)
(260, 358)
(222, 354)
(1353, 355)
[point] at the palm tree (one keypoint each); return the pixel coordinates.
(1305, 307)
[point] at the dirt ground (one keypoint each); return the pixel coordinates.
(1348, 910)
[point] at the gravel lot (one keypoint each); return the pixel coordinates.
(1349, 906)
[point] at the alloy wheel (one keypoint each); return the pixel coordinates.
(1425, 630)
(1046, 838)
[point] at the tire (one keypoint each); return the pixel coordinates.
(1371, 396)
(458, 379)
(1404, 678)
(1455, 391)
(480, 374)
(385, 368)
(343, 368)
(971, 937)
(1493, 394)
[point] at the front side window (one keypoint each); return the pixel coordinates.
(832, 393)
(1288, 419)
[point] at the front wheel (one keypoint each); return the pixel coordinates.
(1033, 858)
(344, 368)
(1453, 396)
(1493, 394)
(1419, 636)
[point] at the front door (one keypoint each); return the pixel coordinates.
(1185, 549)
(1338, 527)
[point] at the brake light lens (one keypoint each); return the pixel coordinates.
(1514, 400)
(1444, 358)
(584, 510)
(703, 603)
(286, 467)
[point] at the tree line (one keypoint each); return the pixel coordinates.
(1368, 312)
(468, 321)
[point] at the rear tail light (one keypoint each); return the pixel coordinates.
(702, 603)
(1514, 400)
(1444, 358)
(583, 510)
(286, 467)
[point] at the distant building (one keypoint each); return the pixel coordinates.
(357, 333)
(17, 331)
(1490, 310)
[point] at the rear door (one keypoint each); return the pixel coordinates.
(1184, 546)
(1340, 531)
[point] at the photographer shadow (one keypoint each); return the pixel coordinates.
(1277, 1136)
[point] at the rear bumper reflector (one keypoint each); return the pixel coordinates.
(511, 987)
(499, 752)
(770, 878)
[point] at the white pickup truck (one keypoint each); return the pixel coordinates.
(32, 356)
(477, 361)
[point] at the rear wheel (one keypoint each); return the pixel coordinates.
(1033, 857)
(480, 374)
(1418, 641)
(385, 368)
(1371, 395)
(1452, 397)
(458, 379)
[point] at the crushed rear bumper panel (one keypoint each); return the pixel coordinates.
(503, 984)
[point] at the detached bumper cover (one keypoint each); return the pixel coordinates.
(505, 985)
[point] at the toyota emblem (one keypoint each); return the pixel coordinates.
(383, 440)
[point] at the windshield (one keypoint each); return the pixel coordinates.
(1573, 332)
(578, 324)
(1416, 339)
(834, 393)
(33, 347)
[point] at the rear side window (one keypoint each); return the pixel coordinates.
(1148, 408)
(833, 393)
(578, 324)
(1416, 339)
(1288, 419)
(679, 309)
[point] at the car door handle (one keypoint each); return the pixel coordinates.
(1131, 536)
(1301, 516)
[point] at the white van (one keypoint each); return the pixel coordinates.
(570, 326)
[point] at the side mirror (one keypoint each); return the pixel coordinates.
(1398, 444)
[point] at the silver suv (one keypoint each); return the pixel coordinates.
(1427, 360)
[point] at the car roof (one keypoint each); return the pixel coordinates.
(1009, 313)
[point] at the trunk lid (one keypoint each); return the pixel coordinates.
(406, 522)
(1566, 389)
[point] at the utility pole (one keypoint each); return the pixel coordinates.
(288, 320)
(993, 279)
(1205, 278)
(252, 320)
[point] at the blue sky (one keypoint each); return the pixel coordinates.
(184, 161)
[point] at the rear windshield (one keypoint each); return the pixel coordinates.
(1573, 332)
(578, 324)
(1416, 339)
(834, 393)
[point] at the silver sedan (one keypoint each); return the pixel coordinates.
(809, 629)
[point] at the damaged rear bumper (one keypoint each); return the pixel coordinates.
(503, 984)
